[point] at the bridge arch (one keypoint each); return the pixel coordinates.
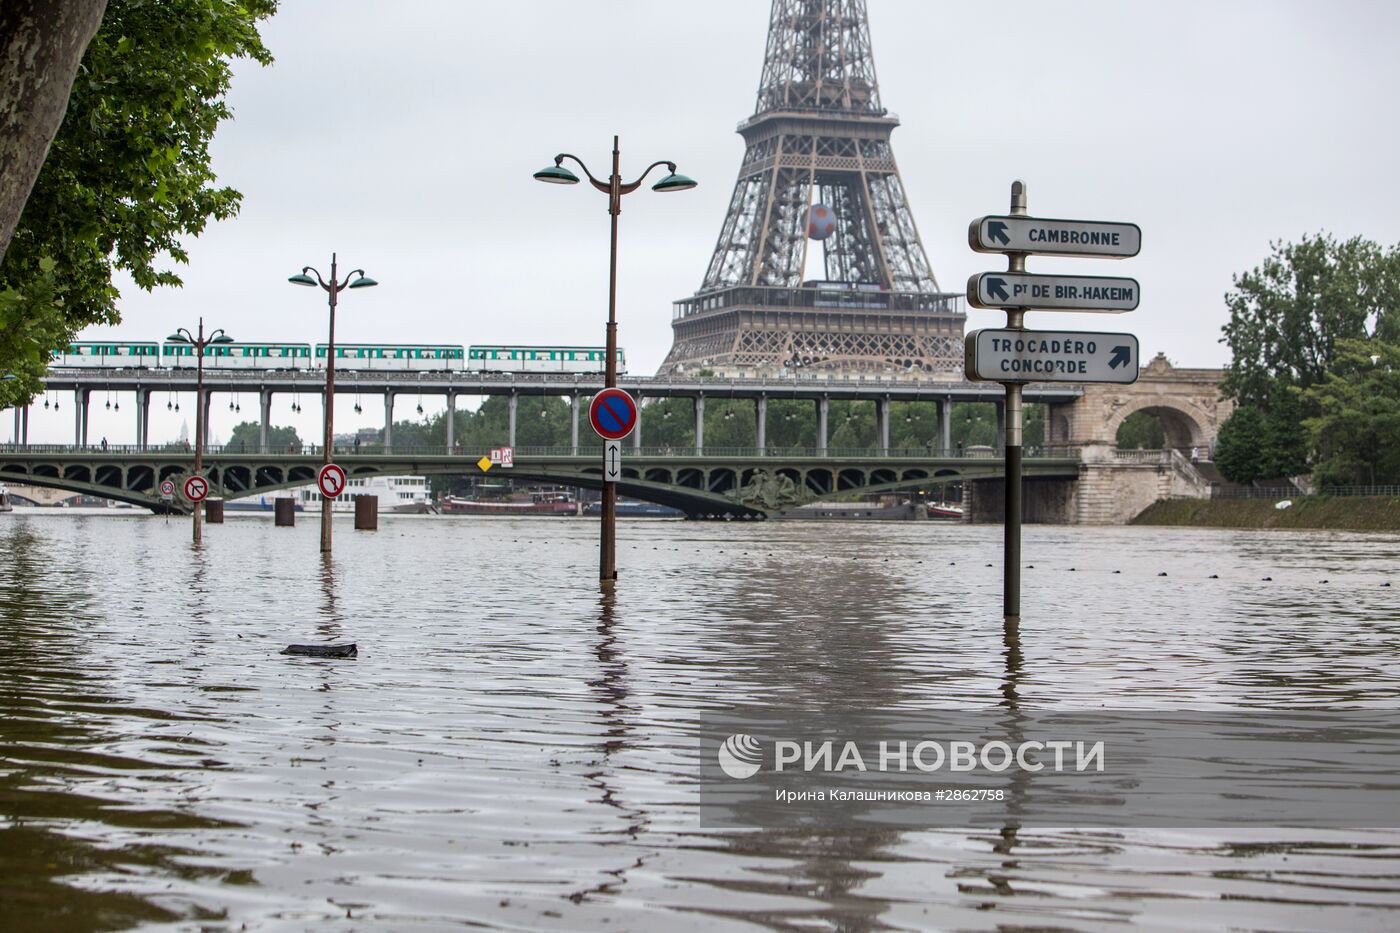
(1186, 402)
(1181, 427)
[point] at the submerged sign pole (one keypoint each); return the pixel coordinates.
(1014, 356)
(1011, 550)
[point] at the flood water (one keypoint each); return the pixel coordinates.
(510, 751)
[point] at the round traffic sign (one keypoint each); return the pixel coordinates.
(196, 488)
(331, 479)
(613, 414)
(167, 487)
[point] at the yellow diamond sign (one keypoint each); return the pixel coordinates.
(484, 463)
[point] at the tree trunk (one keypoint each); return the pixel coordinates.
(41, 45)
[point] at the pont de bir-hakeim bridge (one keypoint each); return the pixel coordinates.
(1073, 468)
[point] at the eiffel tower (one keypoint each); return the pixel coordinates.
(818, 172)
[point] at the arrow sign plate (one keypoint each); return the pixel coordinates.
(196, 488)
(1053, 292)
(1051, 356)
(612, 461)
(331, 480)
(1044, 236)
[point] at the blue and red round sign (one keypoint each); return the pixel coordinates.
(613, 414)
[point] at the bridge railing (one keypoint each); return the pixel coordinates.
(471, 455)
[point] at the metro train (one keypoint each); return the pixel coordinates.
(110, 354)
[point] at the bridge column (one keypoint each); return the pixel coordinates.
(24, 427)
(823, 409)
(143, 418)
(573, 424)
(761, 408)
(514, 404)
(451, 417)
(1001, 426)
(17, 424)
(699, 424)
(80, 417)
(882, 414)
(637, 431)
(207, 402)
(945, 424)
(264, 418)
(388, 420)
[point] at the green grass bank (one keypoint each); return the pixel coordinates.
(1339, 513)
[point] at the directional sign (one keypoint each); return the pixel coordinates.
(612, 461)
(1051, 356)
(331, 480)
(1053, 292)
(167, 489)
(196, 488)
(1010, 234)
(613, 414)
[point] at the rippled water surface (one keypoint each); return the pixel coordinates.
(511, 751)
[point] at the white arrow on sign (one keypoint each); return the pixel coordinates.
(1053, 292)
(1051, 356)
(612, 461)
(1042, 235)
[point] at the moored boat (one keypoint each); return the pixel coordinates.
(554, 504)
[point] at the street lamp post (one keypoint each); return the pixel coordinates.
(334, 287)
(199, 342)
(614, 188)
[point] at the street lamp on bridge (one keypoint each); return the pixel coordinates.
(614, 187)
(199, 342)
(334, 287)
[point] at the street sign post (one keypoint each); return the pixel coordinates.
(612, 461)
(1044, 236)
(196, 488)
(331, 480)
(167, 489)
(1014, 356)
(1051, 356)
(1053, 292)
(613, 414)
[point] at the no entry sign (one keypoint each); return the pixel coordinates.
(196, 488)
(331, 479)
(613, 414)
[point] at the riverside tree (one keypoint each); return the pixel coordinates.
(1287, 318)
(1356, 429)
(128, 172)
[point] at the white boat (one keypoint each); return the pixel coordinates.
(397, 494)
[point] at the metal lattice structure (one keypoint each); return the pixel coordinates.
(819, 135)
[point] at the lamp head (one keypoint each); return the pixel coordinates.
(221, 338)
(674, 182)
(301, 278)
(177, 338)
(363, 281)
(556, 175)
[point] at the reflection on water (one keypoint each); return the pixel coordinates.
(511, 749)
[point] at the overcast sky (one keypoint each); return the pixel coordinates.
(403, 135)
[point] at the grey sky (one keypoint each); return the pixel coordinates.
(403, 136)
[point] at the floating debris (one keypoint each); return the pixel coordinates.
(323, 651)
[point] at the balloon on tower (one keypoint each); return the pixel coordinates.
(821, 222)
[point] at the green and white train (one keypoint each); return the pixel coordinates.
(112, 354)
